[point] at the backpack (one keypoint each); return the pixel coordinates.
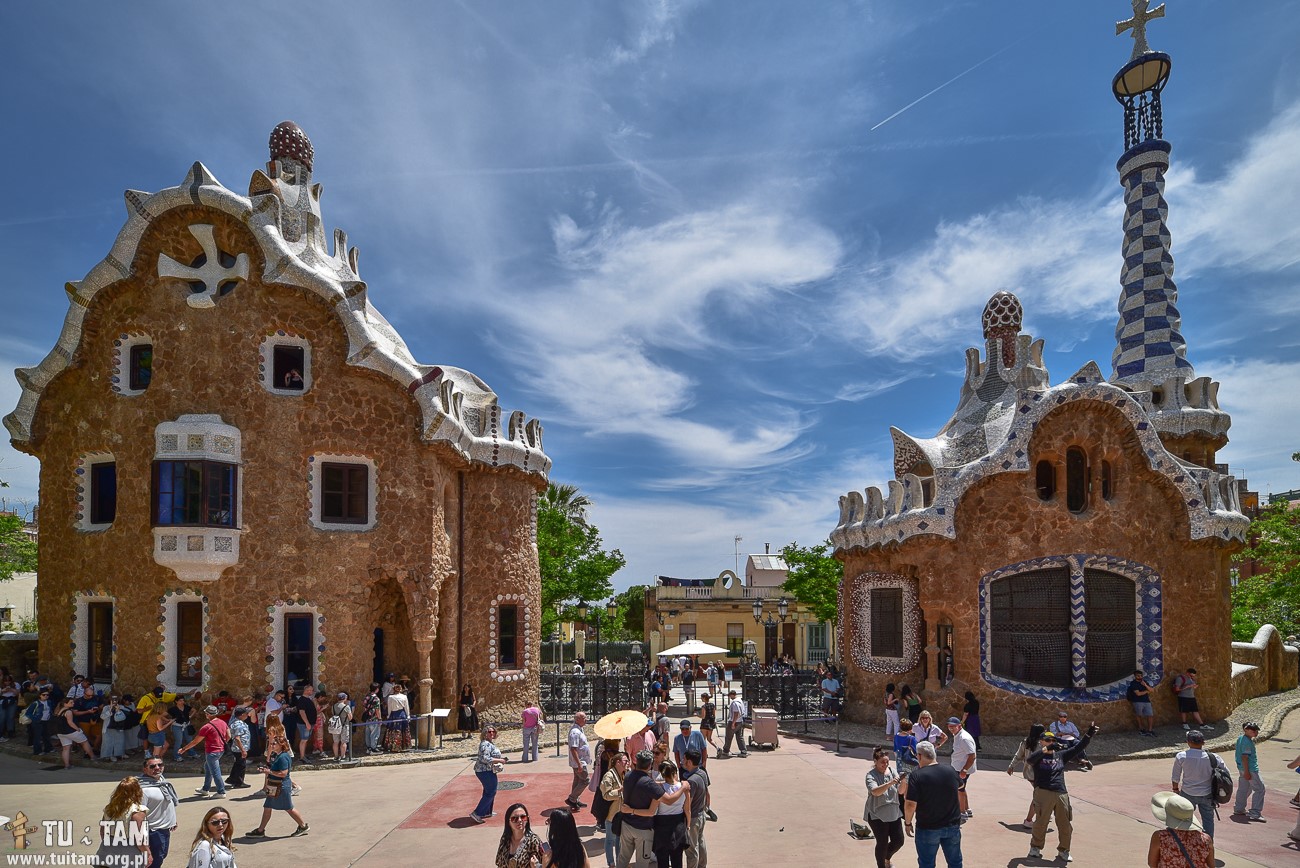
(334, 725)
(1221, 781)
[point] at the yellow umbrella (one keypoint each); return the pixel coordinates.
(620, 724)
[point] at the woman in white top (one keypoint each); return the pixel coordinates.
(124, 827)
(671, 811)
(398, 734)
(212, 847)
(926, 730)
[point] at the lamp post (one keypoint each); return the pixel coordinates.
(659, 616)
(611, 610)
(783, 615)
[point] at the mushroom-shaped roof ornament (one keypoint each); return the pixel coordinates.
(1002, 316)
(288, 140)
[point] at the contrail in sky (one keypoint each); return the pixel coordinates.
(945, 84)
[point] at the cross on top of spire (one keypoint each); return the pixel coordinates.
(1138, 24)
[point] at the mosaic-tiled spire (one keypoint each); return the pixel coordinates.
(1149, 345)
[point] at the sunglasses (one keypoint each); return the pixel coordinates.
(153, 765)
(225, 822)
(519, 818)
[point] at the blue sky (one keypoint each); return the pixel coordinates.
(697, 240)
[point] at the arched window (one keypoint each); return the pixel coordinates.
(1111, 611)
(1045, 480)
(1030, 621)
(1107, 481)
(1076, 479)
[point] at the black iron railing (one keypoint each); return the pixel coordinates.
(795, 695)
(565, 694)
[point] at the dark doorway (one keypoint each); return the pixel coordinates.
(769, 643)
(377, 673)
(787, 639)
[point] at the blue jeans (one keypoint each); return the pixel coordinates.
(611, 845)
(179, 731)
(212, 772)
(160, 841)
(373, 731)
(928, 842)
(489, 782)
(1204, 804)
(36, 732)
(530, 742)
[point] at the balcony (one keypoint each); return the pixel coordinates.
(734, 593)
(196, 554)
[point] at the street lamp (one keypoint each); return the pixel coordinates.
(659, 616)
(611, 610)
(783, 615)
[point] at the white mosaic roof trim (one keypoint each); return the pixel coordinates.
(457, 407)
(868, 519)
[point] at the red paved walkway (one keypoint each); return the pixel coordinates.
(451, 805)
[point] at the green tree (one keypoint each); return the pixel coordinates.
(574, 564)
(17, 549)
(1273, 596)
(814, 578)
(631, 613)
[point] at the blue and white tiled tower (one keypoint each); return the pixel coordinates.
(1150, 357)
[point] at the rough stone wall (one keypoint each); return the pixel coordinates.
(1002, 521)
(206, 361)
(500, 559)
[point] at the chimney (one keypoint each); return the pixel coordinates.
(767, 548)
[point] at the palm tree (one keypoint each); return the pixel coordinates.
(568, 501)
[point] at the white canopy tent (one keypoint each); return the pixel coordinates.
(691, 648)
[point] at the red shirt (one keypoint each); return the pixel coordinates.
(227, 705)
(215, 733)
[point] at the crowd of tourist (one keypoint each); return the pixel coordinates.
(109, 725)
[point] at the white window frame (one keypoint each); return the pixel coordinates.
(121, 379)
(80, 646)
(275, 673)
(314, 464)
(266, 363)
(83, 472)
(167, 658)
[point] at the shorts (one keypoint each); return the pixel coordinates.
(1187, 705)
(71, 738)
(1143, 709)
(158, 739)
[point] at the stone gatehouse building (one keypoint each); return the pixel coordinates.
(1052, 539)
(246, 478)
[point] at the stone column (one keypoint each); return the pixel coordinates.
(424, 653)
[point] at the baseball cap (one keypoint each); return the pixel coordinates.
(1250, 724)
(685, 723)
(954, 720)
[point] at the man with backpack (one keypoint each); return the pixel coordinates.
(1193, 778)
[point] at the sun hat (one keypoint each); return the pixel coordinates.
(211, 711)
(1175, 811)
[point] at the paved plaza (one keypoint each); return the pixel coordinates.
(787, 807)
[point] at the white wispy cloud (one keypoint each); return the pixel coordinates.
(1061, 256)
(1264, 403)
(652, 23)
(606, 342)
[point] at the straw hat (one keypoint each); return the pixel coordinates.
(1175, 811)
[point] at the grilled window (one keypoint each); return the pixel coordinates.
(1030, 639)
(1111, 609)
(887, 622)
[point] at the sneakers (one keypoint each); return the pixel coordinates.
(1064, 856)
(968, 814)
(1034, 853)
(256, 833)
(1185, 726)
(295, 791)
(200, 791)
(216, 795)
(1256, 818)
(300, 831)
(477, 819)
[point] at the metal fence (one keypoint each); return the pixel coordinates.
(618, 653)
(794, 695)
(565, 694)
